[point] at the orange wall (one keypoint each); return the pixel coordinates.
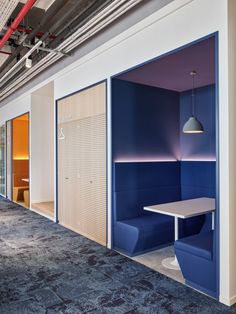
(20, 139)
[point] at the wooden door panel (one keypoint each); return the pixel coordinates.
(82, 163)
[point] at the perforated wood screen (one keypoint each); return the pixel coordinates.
(82, 163)
(9, 159)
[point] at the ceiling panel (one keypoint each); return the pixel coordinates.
(42, 4)
(3, 57)
(173, 71)
(6, 9)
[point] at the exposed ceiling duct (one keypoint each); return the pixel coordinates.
(12, 28)
(81, 28)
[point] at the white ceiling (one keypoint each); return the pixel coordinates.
(6, 9)
(42, 4)
(3, 57)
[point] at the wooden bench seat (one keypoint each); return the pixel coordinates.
(18, 192)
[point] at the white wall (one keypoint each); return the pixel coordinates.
(232, 147)
(42, 145)
(175, 25)
(15, 108)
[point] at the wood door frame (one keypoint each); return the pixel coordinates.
(7, 196)
(28, 113)
(56, 146)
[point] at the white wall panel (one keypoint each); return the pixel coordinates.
(42, 145)
(15, 108)
(230, 228)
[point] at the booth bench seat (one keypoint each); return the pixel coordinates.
(195, 255)
(140, 234)
(199, 245)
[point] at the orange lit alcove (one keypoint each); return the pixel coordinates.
(20, 160)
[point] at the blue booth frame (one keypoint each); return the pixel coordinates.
(217, 222)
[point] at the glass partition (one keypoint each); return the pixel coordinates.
(3, 160)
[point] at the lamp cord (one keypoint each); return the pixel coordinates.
(193, 73)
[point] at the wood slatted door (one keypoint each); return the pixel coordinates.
(9, 159)
(82, 163)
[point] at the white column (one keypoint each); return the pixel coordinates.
(176, 228)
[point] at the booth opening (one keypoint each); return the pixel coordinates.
(165, 163)
(20, 160)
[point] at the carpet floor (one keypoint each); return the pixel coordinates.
(45, 268)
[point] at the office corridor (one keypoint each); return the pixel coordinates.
(45, 268)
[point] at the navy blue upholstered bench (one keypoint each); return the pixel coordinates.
(142, 184)
(196, 256)
(140, 234)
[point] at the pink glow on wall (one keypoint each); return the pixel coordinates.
(137, 159)
(199, 158)
(164, 159)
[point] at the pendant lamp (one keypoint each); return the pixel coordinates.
(193, 125)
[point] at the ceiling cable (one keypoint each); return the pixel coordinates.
(93, 26)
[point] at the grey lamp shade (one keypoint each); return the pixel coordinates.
(193, 126)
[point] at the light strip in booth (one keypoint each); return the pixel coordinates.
(21, 158)
(127, 160)
(144, 160)
(199, 159)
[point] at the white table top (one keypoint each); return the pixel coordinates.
(185, 209)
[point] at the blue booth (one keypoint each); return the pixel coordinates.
(147, 125)
(139, 184)
(135, 231)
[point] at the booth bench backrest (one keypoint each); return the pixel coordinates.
(140, 184)
(198, 179)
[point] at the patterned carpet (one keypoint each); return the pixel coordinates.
(45, 268)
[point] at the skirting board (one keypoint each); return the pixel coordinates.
(228, 302)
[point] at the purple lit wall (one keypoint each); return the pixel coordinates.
(199, 146)
(145, 122)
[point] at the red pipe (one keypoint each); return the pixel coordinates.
(28, 31)
(17, 21)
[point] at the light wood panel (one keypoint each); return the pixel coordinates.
(46, 208)
(88, 103)
(82, 163)
(20, 171)
(20, 156)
